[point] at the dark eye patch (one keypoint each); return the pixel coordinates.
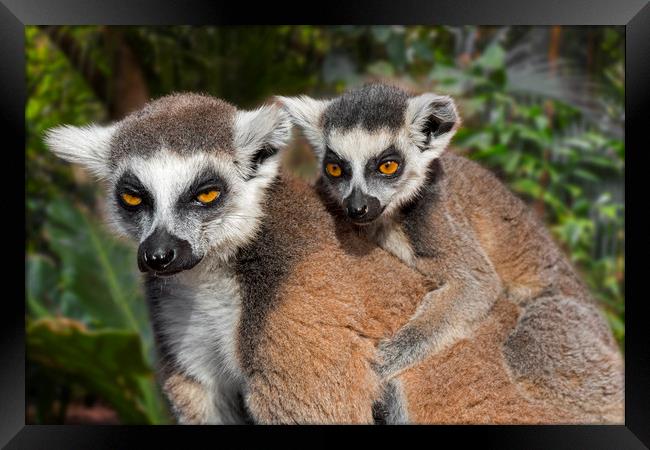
(130, 184)
(206, 181)
(390, 154)
(332, 158)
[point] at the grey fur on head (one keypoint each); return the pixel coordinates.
(372, 106)
(168, 149)
(362, 128)
(207, 126)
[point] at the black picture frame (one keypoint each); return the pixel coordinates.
(633, 14)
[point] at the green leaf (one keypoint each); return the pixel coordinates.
(481, 140)
(492, 58)
(541, 122)
(604, 162)
(396, 50)
(108, 362)
(551, 200)
(381, 33)
(585, 175)
(574, 190)
(618, 327)
(97, 269)
(528, 187)
(472, 106)
(511, 162)
(609, 211)
(579, 142)
(422, 50)
(381, 69)
(41, 285)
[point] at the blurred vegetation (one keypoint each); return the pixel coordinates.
(542, 107)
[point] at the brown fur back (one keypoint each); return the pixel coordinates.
(547, 357)
(312, 358)
(312, 361)
(472, 382)
(521, 250)
(308, 353)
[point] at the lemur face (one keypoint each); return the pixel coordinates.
(185, 176)
(375, 144)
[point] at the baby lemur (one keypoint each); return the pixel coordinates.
(263, 305)
(381, 150)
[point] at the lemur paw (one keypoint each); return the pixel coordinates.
(389, 361)
(398, 353)
(188, 398)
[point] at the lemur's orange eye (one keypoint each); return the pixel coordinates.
(208, 196)
(333, 169)
(131, 200)
(388, 167)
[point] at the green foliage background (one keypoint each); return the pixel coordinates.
(542, 107)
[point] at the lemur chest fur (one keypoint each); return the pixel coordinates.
(198, 314)
(389, 235)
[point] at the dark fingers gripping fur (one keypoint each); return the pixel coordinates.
(444, 248)
(447, 251)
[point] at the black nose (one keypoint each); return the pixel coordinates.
(158, 259)
(357, 211)
(362, 208)
(163, 253)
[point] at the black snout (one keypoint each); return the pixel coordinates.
(357, 212)
(362, 208)
(159, 258)
(165, 254)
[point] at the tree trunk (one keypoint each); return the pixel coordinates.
(74, 52)
(125, 89)
(128, 90)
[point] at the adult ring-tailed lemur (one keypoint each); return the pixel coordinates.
(264, 305)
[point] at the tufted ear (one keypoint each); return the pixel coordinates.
(259, 136)
(306, 112)
(432, 121)
(87, 146)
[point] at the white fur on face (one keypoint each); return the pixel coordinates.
(168, 175)
(243, 221)
(415, 173)
(358, 145)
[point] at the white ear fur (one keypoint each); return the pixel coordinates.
(421, 110)
(87, 146)
(260, 134)
(306, 112)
